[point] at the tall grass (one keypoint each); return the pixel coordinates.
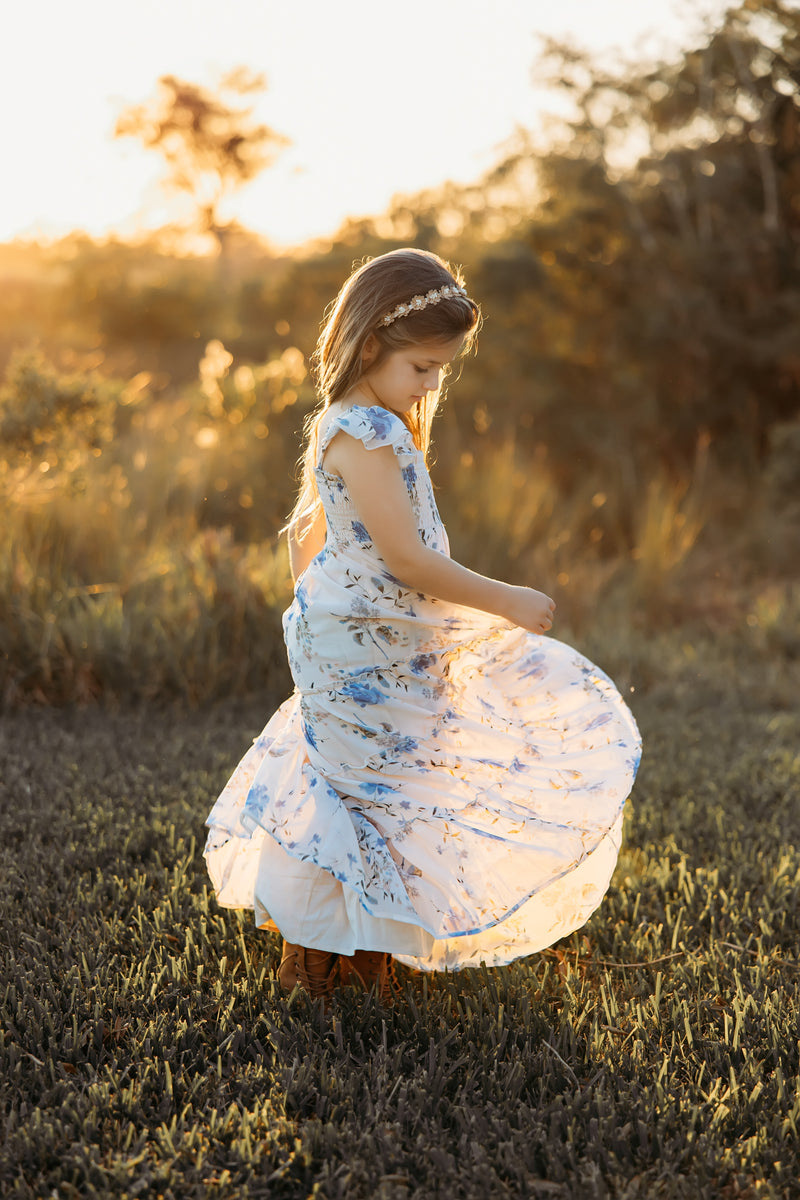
(139, 553)
(617, 539)
(138, 557)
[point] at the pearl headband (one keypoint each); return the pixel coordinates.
(417, 303)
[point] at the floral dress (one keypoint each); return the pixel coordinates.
(442, 784)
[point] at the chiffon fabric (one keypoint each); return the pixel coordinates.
(442, 784)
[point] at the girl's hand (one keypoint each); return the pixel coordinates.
(531, 609)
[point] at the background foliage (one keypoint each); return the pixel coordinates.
(627, 437)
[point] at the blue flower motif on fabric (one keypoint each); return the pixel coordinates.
(362, 694)
(377, 790)
(302, 598)
(410, 475)
(380, 420)
(535, 665)
(405, 745)
(421, 662)
(257, 800)
(361, 533)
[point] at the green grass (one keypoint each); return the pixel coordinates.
(147, 1051)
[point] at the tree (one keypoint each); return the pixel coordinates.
(667, 234)
(211, 145)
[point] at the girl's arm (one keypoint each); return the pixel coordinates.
(379, 494)
(312, 533)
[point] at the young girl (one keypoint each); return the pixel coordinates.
(446, 785)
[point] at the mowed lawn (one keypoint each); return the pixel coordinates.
(147, 1050)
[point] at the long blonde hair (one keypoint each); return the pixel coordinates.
(372, 291)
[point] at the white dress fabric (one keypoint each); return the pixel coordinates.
(442, 784)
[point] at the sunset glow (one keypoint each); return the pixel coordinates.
(375, 100)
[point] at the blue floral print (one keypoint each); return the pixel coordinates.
(362, 695)
(421, 662)
(444, 785)
(300, 597)
(381, 423)
(360, 532)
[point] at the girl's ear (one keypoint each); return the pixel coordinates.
(370, 351)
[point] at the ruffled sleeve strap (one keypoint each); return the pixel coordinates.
(374, 426)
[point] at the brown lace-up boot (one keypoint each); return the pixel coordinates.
(317, 971)
(371, 968)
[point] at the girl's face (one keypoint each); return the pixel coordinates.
(406, 375)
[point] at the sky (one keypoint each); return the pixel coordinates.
(378, 98)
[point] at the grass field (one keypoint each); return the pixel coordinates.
(147, 1051)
